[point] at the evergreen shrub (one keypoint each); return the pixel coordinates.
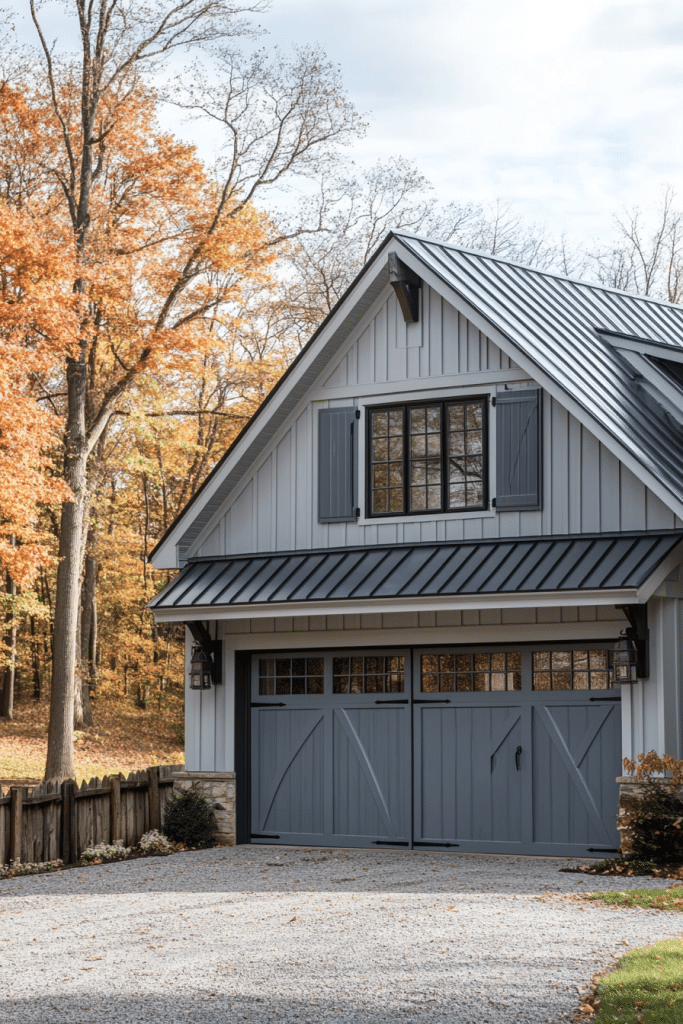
(189, 820)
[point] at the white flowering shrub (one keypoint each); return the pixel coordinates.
(106, 851)
(15, 868)
(155, 842)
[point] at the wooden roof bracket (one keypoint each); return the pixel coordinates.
(406, 284)
(639, 635)
(212, 649)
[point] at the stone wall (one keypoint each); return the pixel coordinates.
(631, 791)
(218, 789)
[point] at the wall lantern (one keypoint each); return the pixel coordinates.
(200, 670)
(631, 656)
(624, 668)
(206, 660)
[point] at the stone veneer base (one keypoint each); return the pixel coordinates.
(631, 791)
(218, 789)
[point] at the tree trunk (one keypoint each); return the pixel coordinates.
(89, 627)
(60, 756)
(35, 661)
(10, 669)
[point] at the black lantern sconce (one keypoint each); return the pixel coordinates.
(200, 670)
(206, 660)
(631, 655)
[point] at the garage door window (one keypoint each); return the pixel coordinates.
(289, 676)
(376, 674)
(572, 670)
(467, 673)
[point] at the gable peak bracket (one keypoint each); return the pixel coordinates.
(212, 649)
(638, 633)
(406, 284)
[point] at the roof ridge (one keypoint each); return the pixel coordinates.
(400, 235)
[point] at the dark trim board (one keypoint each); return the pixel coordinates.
(243, 745)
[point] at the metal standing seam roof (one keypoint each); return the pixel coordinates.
(555, 321)
(531, 564)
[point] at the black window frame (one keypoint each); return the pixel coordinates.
(444, 403)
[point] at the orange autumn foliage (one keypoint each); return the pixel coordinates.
(38, 318)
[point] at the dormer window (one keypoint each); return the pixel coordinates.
(428, 457)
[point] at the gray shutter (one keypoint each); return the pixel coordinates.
(337, 465)
(518, 449)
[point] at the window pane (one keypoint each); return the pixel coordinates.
(369, 674)
(380, 501)
(571, 670)
(386, 470)
(466, 437)
(396, 422)
(380, 422)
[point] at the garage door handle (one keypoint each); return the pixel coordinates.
(429, 701)
(603, 699)
(518, 754)
(267, 704)
(391, 702)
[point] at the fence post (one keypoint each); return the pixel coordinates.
(115, 808)
(154, 802)
(15, 822)
(68, 823)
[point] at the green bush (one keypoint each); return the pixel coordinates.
(654, 825)
(189, 820)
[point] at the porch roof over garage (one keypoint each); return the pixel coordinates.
(601, 568)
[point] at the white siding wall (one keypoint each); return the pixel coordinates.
(652, 710)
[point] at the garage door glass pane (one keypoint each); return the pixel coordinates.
(370, 674)
(468, 673)
(572, 670)
(291, 676)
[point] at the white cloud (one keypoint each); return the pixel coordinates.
(570, 109)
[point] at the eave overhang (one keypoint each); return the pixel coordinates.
(578, 570)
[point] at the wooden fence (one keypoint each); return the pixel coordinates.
(59, 820)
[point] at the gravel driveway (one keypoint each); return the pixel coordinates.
(290, 934)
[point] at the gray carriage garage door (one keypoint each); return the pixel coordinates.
(497, 750)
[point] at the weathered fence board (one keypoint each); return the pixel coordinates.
(52, 821)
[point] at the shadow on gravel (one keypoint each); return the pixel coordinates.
(261, 869)
(222, 1008)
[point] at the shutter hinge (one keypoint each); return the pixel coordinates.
(357, 513)
(493, 399)
(493, 502)
(357, 414)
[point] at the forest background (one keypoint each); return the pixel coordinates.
(150, 299)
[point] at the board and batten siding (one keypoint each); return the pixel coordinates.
(586, 489)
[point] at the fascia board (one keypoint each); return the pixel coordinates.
(167, 547)
(511, 349)
(533, 599)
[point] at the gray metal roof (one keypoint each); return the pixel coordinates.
(533, 564)
(555, 321)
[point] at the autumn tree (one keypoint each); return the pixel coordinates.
(38, 315)
(162, 248)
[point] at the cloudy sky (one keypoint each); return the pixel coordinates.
(569, 109)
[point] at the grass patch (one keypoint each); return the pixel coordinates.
(646, 899)
(646, 988)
